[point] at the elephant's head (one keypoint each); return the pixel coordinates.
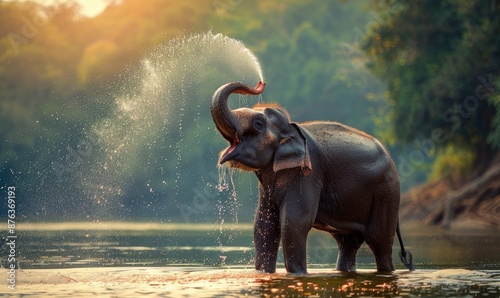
(259, 137)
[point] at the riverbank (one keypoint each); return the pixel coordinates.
(471, 201)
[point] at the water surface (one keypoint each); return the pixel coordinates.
(176, 260)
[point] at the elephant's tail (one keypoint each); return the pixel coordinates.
(405, 255)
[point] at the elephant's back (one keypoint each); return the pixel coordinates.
(350, 149)
(341, 138)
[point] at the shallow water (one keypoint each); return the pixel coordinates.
(176, 260)
(205, 282)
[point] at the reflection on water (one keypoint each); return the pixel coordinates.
(400, 284)
(331, 285)
(204, 282)
(128, 259)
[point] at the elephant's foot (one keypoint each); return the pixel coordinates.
(384, 264)
(296, 270)
(382, 250)
(266, 265)
(295, 261)
(346, 266)
(270, 271)
(348, 247)
(266, 268)
(346, 261)
(296, 264)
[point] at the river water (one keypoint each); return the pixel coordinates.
(177, 260)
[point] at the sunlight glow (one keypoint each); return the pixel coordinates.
(89, 8)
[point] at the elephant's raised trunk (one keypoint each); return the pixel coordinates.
(225, 120)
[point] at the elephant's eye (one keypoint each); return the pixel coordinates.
(259, 124)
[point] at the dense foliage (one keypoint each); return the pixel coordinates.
(441, 62)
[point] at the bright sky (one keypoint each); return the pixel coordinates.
(89, 8)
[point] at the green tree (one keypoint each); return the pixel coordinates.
(441, 64)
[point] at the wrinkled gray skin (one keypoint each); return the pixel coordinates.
(318, 174)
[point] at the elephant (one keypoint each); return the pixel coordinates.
(318, 174)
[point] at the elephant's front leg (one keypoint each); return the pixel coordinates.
(296, 218)
(297, 214)
(266, 236)
(294, 237)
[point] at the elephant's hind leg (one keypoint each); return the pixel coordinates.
(382, 250)
(348, 247)
(380, 230)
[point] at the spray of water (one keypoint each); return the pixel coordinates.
(162, 102)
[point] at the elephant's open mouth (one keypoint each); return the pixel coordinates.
(230, 153)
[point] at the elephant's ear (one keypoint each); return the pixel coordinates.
(292, 152)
